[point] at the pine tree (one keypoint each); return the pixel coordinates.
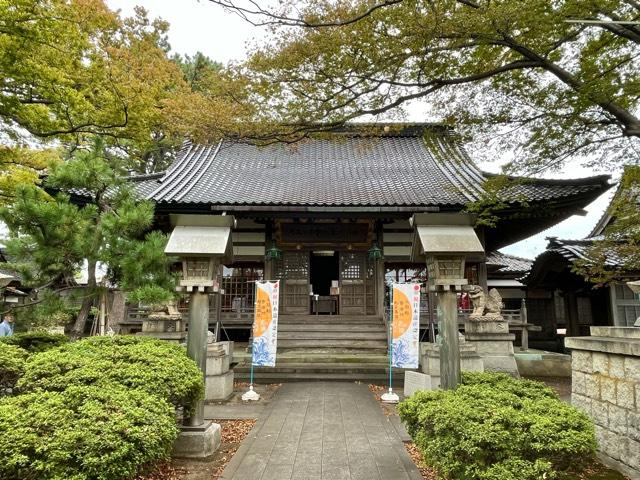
(106, 225)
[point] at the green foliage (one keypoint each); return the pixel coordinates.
(621, 237)
(197, 69)
(494, 427)
(500, 193)
(52, 310)
(155, 366)
(102, 432)
(53, 238)
(545, 90)
(12, 362)
(35, 342)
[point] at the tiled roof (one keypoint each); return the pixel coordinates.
(574, 250)
(353, 169)
(508, 263)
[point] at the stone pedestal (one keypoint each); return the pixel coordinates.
(470, 361)
(605, 384)
(197, 442)
(493, 342)
(165, 324)
(219, 378)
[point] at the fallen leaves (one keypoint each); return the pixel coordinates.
(427, 472)
(233, 433)
(163, 471)
(377, 390)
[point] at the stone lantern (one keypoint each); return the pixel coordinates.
(446, 241)
(203, 243)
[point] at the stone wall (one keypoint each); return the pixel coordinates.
(606, 385)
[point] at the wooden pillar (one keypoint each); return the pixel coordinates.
(482, 275)
(380, 271)
(380, 287)
(449, 348)
(613, 307)
(269, 267)
(482, 266)
(525, 326)
(572, 314)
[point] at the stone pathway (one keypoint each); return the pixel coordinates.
(322, 431)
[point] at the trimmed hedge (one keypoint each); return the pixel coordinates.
(104, 432)
(12, 364)
(494, 427)
(155, 366)
(35, 342)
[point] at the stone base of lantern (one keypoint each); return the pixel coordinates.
(219, 378)
(470, 361)
(197, 442)
(164, 326)
(175, 337)
(493, 342)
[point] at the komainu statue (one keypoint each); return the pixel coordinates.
(486, 306)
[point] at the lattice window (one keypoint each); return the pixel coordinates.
(238, 283)
(293, 265)
(352, 266)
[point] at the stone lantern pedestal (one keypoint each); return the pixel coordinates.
(470, 361)
(165, 323)
(219, 378)
(491, 339)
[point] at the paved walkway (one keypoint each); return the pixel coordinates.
(322, 431)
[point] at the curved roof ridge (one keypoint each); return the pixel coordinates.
(434, 146)
(201, 153)
(603, 178)
(174, 170)
(203, 170)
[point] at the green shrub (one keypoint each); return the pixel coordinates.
(83, 433)
(35, 342)
(12, 363)
(494, 427)
(155, 366)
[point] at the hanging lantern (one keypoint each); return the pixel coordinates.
(375, 252)
(274, 253)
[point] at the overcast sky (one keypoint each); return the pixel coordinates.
(222, 36)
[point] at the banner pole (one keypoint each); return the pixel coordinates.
(390, 397)
(251, 395)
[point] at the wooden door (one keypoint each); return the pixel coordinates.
(357, 288)
(293, 272)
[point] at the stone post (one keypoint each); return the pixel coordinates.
(449, 348)
(197, 345)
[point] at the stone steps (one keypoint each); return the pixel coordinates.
(365, 370)
(372, 346)
(331, 335)
(325, 347)
(279, 377)
(320, 356)
(330, 320)
(359, 333)
(332, 327)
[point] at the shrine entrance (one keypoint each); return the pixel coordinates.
(326, 282)
(324, 268)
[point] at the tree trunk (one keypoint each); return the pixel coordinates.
(117, 312)
(81, 320)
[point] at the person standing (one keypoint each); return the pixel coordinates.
(6, 327)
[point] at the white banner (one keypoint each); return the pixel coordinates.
(265, 324)
(405, 325)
